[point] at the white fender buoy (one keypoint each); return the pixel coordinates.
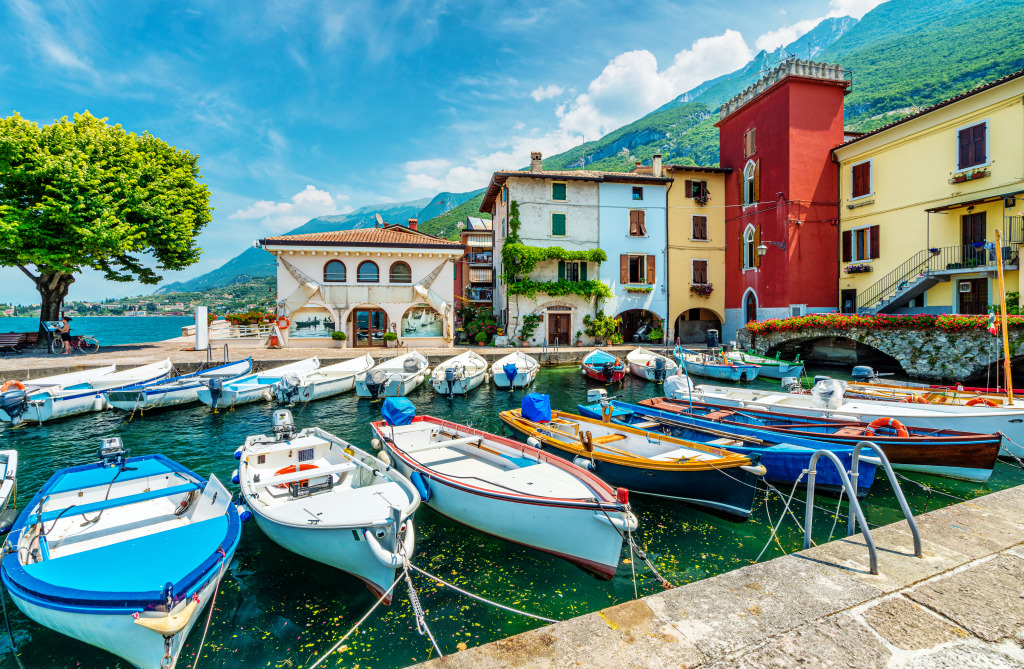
(384, 556)
(98, 403)
(266, 395)
(385, 458)
(409, 542)
(375, 442)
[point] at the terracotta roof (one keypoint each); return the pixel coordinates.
(646, 169)
(938, 105)
(498, 180)
(391, 235)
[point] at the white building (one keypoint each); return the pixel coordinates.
(364, 283)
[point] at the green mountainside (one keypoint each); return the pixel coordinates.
(446, 225)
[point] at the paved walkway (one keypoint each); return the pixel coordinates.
(961, 605)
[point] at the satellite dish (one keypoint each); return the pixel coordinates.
(380, 220)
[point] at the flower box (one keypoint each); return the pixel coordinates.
(702, 290)
(858, 269)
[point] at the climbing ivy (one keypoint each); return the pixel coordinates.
(530, 288)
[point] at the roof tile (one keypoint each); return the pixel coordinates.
(395, 235)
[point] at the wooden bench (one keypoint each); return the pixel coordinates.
(14, 342)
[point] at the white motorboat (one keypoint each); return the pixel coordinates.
(459, 375)
(123, 554)
(396, 377)
(508, 489)
(14, 394)
(650, 365)
(324, 382)
(60, 401)
(327, 500)
(8, 488)
(218, 394)
(515, 370)
(177, 391)
(980, 419)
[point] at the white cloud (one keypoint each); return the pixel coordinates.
(854, 8)
(547, 92)
(773, 39)
(304, 205)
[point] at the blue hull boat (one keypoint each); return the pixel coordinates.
(177, 391)
(701, 364)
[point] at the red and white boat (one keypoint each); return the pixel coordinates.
(603, 366)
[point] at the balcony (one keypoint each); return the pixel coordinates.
(967, 258)
(480, 294)
(480, 258)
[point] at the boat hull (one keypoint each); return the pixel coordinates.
(779, 371)
(458, 386)
(650, 373)
(522, 380)
(318, 390)
(395, 386)
(734, 373)
(596, 375)
(143, 399)
(232, 397)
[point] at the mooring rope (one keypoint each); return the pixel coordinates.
(478, 597)
(775, 530)
(209, 615)
(417, 609)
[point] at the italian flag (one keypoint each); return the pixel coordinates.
(992, 325)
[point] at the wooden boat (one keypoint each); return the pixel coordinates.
(322, 382)
(176, 391)
(342, 507)
(702, 364)
(980, 419)
(396, 377)
(14, 401)
(773, 368)
(603, 366)
(218, 394)
(507, 489)
(899, 392)
(515, 370)
(785, 458)
(123, 554)
(650, 366)
(61, 401)
(651, 463)
(459, 375)
(940, 452)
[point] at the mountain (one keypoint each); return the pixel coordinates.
(446, 225)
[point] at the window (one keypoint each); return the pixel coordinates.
(700, 271)
(368, 272)
(861, 244)
(637, 223)
(572, 271)
(751, 183)
(749, 145)
(748, 248)
(400, 273)
(636, 269)
(695, 189)
(334, 271)
(699, 228)
(971, 146)
(558, 225)
(558, 191)
(638, 192)
(861, 185)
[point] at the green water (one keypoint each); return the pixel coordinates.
(277, 609)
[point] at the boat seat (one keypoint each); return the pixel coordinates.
(101, 476)
(683, 454)
(718, 415)
(608, 438)
(78, 509)
(849, 432)
(645, 425)
(306, 474)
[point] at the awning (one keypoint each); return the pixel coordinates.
(479, 241)
(977, 201)
(480, 274)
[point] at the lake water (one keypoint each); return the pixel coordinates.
(277, 609)
(110, 330)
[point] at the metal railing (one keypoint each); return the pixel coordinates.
(486, 258)
(480, 294)
(1015, 229)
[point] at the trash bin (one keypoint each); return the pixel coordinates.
(712, 339)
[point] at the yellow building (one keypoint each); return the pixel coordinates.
(921, 200)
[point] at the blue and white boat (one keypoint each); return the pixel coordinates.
(515, 370)
(218, 394)
(323, 382)
(702, 364)
(175, 391)
(48, 403)
(123, 554)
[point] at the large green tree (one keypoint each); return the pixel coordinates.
(85, 194)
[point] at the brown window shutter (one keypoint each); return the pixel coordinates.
(979, 144)
(743, 245)
(757, 242)
(740, 184)
(688, 188)
(700, 227)
(964, 159)
(641, 223)
(757, 182)
(623, 269)
(874, 240)
(847, 245)
(753, 141)
(633, 222)
(650, 270)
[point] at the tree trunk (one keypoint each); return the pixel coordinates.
(53, 288)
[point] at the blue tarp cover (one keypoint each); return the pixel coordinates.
(536, 407)
(398, 411)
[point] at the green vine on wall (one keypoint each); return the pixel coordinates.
(530, 288)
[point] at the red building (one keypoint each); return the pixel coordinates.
(782, 197)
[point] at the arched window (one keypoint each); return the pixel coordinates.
(400, 273)
(749, 248)
(368, 272)
(334, 272)
(751, 307)
(750, 183)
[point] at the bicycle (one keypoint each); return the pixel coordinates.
(78, 343)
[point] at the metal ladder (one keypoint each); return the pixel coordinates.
(856, 512)
(546, 352)
(209, 354)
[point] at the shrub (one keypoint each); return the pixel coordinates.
(338, 335)
(390, 336)
(480, 337)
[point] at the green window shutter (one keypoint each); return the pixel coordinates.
(558, 225)
(561, 270)
(558, 191)
(583, 271)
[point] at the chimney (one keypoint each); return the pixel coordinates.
(656, 165)
(536, 164)
(412, 223)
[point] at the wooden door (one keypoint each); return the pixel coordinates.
(972, 239)
(973, 296)
(751, 307)
(848, 300)
(558, 329)
(370, 325)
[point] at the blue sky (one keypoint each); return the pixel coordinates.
(299, 109)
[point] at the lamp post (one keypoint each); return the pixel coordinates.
(763, 248)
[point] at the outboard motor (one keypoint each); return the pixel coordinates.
(863, 373)
(284, 426)
(215, 386)
(287, 387)
(112, 452)
(608, 369)
(14, 403)
(791, 384)
(449, 376)
(510, 373)
(659, 369)
(411, 365)
(375, 382)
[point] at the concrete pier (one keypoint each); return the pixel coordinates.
(961, 605)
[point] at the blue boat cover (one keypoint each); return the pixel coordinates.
(398, 411)
(536, 407)
(510, 371)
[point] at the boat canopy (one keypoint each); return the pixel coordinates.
(536, 407)
(398, 411)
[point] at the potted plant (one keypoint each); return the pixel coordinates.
(390, 339)
(339, 337)
(480, 338)
(579, 338)
(657, 334)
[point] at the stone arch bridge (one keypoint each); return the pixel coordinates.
(923, 354)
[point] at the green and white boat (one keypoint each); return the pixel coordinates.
(773, 368)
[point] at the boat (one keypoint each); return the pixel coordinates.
(939, 452)
(8, 489)
(650, 365)
(459, 375)
(175, 391)
(14, 394)
(646, 462)
(702, 364)
(773, 368)
(396, 377)
(1008, 421)
(786, 458)
(515, 370)
(507, 489)
(123, 554)
(925, 395)
(61, 401)
(218, 394)
(331, 502)
(603, 366)
(323, 382)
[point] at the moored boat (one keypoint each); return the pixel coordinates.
(396, 377)
(218, 394)
(14, 394)
(322, 382)
(650, 365)
(8, 488)
(515, 370)
(507, 489)
(459, 375)
(331, 502)
(712, 367)
(773, 368)
(603, 366)
(176, 391)
(654, 464)
(123, 554)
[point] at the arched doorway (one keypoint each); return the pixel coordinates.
(637, 325)
(750, 307)
(691, 326)
(369, 323)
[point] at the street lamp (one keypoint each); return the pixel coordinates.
(763, 248)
